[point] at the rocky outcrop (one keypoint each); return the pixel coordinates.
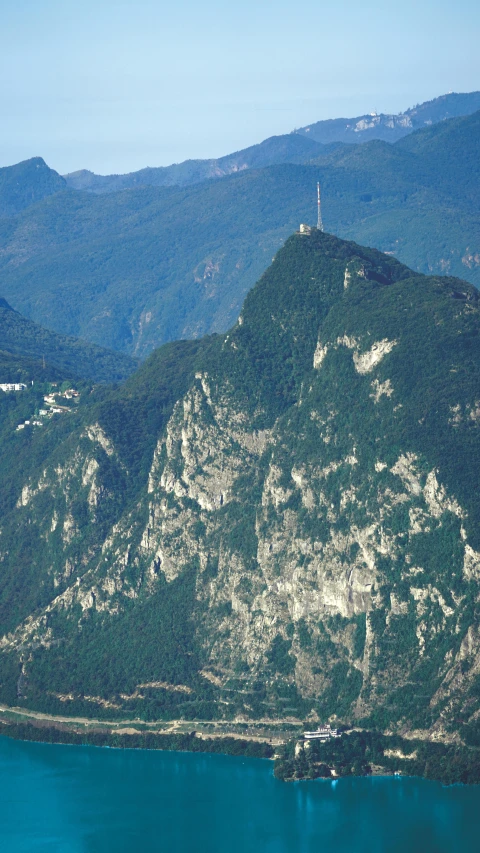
(331, 566)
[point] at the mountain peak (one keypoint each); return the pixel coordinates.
(296, 497)
(389, 126)
(26, 183)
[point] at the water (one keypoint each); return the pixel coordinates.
(83, 800)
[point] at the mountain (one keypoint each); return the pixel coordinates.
(290, 148)
(138, 268)
(390, 128)
(297, 147)
(26, 183)
(27, 349)
(417, 199)
(452, 149)
(282, 521)
(134, 269)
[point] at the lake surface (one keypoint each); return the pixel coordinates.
(82, 799)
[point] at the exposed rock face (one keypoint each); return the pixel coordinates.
(332, 562)
(366, 361)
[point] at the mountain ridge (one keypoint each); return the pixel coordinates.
(177, 262)
(295, 532)
(392, 127)
(290, 148)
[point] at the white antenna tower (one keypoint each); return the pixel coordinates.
(319, 206)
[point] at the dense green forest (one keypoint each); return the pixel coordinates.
(32, 352)
(146, 740)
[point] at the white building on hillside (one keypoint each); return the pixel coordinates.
(12, 386)
(322, 733)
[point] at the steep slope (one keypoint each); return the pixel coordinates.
(25, 183)
(390, 128)
(26, 346)
(296, 530)
(134, 269)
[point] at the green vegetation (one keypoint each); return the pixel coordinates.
(234, 531)
(146, 740)
(363, 752)
(291, 148)
(25, 184)
(294, 147)
(133, 269)
(393, 127)
(31, 352)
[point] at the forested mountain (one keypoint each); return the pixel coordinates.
(291, 148)
(25, 183)
(133, 269)
(282, 520)
(296, 147)
(27, 351)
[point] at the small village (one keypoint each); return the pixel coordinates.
(57, 402)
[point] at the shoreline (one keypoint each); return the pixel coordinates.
(151, 741)
(72, 739)
(359, 753)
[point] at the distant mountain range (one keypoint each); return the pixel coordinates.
(296, 147)
(135, 268)
(391, 127)
(290, 148)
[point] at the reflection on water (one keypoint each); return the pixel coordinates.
(83, 800)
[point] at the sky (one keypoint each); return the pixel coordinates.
(115, 85)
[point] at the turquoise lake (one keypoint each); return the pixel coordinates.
(75, 799)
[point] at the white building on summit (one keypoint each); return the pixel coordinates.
(307, 229)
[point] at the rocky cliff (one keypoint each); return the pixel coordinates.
(277, 522)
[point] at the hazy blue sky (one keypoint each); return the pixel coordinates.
(114, 85)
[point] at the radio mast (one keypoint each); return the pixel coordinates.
(319, 207)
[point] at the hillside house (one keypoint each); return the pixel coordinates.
(12, 386)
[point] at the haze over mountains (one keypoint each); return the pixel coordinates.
(390, 128)
(132, 269)
(290, 148)
(25, 183)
